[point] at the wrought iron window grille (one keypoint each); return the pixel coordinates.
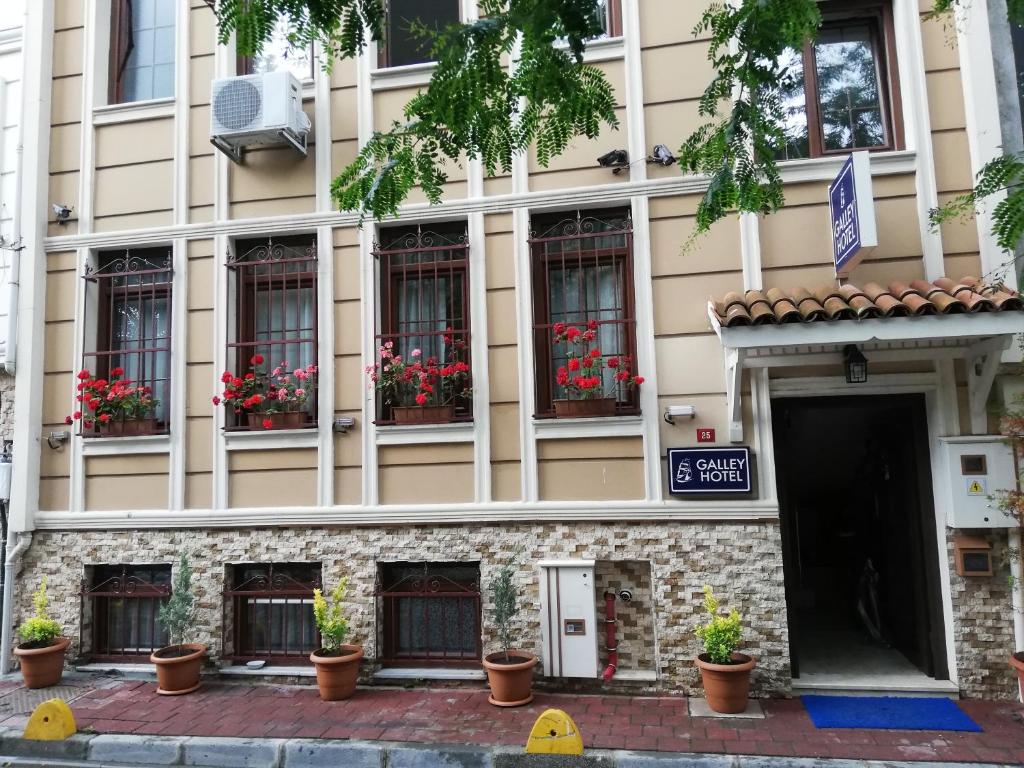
(118, 611)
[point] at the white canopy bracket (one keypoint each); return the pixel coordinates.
(982, 362)
(733, 387)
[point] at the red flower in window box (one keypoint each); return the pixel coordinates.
(275, 400)
(422, 391)
(118, 406)
(596, 382)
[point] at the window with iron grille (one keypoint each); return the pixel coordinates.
(428, 613)
(119, 606)
(583, 273)
(271, 612)
(424, 299)
(128, 321)
(273, 291)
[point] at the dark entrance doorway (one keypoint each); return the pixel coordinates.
(859, 542)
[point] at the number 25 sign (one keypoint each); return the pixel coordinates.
(705, 435)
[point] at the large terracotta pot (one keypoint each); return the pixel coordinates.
(511, 684)
(1017, 662)
(176, 674)
(336, 676)
(581, 409)
(727, 686)
(43, 667)
(423, 414)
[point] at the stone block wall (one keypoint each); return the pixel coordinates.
(634, 625)
(743, 562)
(983, 623)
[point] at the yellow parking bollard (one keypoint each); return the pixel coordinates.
(51, 721)
(554, 733)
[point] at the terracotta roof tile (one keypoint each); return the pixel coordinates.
(942, 296)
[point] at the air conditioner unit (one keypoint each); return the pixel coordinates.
(257, 110)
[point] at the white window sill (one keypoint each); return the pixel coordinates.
(269, 671)
(412, 434)
(826, 168)
(405, 76)
(133, 111)
(603, 49)
(271, 439)
(109, 446)
(428, 673)
(594, 426)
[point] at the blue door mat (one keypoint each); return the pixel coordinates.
(887, 712)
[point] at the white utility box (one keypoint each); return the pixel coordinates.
(568, 624)
(977, 467)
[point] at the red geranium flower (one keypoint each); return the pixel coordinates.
(267, 423)
(638, 380)
(104, 417)
(216, 400)
(574, 364)
(256, 360)
(84, 374)
(68, 420)
(421, 399)
(592, 325)
(117, 371)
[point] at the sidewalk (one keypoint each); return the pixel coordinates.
(463, 716)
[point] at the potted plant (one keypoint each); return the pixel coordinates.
(509, 672)
(179, 665)
(42, 648)
(337, 664)
(589, 379)
(724, 672)
(422, 391)
(117, 407)
(275, 400)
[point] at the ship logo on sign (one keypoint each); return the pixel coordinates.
(684, 474)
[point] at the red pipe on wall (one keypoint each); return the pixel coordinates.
(609, 632)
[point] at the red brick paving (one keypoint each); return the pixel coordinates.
(464, 716)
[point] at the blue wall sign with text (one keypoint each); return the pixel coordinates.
(852, 213)
(709, 470)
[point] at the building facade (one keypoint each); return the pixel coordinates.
(178, 267)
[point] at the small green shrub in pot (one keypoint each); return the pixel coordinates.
(505, 605)
(330, 619)
(509, 671)
(721, 634)
(179, 665)
(178, 614)
(39, 630)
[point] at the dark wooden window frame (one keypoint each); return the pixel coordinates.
(426, 586)
(110, 583)
(242, 262)
(135, 263)
(121, 44)
(449, 238)
(580, 226)
(279, 584)
(879, 14)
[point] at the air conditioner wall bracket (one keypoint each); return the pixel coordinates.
(234, 153)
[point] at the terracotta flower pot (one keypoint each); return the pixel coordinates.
(336, 676)
(727, 686)
(1017, 662)
(43, 667)
(282, 420)
(582, 409)
(511, 684)
(423, 414)
(127, 427)
(178, 674)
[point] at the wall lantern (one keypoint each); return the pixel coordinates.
(855, 365)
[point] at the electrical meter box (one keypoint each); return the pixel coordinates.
(977, 467)
(568, 625)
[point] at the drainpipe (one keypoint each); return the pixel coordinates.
(1017, 576)
(21, 542)
(609, 633)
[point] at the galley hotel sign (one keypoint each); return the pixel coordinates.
(851, 202)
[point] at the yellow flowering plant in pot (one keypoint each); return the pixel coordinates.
(42, 648)
(337, 664)
(724, 671)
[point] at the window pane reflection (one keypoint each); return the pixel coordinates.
(793, 95)
(848, 87)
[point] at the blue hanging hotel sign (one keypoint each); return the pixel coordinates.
(709, 470)
(851, 205)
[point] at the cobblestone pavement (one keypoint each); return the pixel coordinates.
(463, 716)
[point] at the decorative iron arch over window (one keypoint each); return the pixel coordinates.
(118, 611)
(583, 273)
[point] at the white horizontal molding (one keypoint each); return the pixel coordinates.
(575, 197)
(425, 514)
(421, 434)
(826, 168)
(842, 332)
(597, 426)
(884, 384)
(126, 446)
(271, 439)
(429, 673)
(407, 76)
(133, 111)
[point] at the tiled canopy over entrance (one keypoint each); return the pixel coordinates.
(848, 302)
